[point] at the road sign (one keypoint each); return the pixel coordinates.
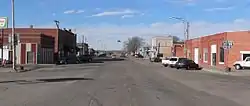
(3, 22)
(227, 44)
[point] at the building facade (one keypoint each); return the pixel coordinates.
(64, 40)
(219, 50)
(178, 49)
(31, 48)
(162, 45)
(83, 49)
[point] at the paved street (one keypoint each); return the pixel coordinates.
(121, 83)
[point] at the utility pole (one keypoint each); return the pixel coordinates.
(57, 23)
(82, 44)
(2, 36)
(186, 32)
(13, 37)
(187, 38)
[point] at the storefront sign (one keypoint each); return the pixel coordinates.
(3, 22)
(227, 44)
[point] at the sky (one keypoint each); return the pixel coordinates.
(103, 22)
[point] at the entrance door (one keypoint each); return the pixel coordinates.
(196, 55)
(213, 59)
(213, 55)
(30, 57)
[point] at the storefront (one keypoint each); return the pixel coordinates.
(219, 50)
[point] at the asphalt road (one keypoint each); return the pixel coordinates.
(121, 83)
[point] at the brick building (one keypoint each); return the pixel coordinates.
(32, 48)
(178, 49)
(208, 51)
(60, 42)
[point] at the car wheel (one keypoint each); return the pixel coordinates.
(187, 68)
(237, 67)
(177, 68)
(165, 65)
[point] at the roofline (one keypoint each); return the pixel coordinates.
(225, 32)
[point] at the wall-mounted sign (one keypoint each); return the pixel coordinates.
(3, 22)
(227, 44)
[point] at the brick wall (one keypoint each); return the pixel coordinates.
(240, 43)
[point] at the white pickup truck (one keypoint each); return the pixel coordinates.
(165, 61)
(242, 64)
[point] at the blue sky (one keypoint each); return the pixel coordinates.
(105, 21)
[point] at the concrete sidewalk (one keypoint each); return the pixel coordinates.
(29, 67)
(204, 70)
(233, 73)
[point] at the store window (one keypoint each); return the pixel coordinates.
(222, 60)
(205, 55)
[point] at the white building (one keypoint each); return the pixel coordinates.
(162, 45)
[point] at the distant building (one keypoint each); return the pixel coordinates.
(178, 49)
(162, 45)
(83, 48)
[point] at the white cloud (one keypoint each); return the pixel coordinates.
(79, 11)
(219, 9)
(69, 11)
(110, 33)
(97, 9)
(221, 1)
(53, 14)
(187, 2)
(73, 11)
(114, 13)
(127, 16)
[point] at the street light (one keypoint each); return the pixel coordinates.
(13, 37)
(186, 31)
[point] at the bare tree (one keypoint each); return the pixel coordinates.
(133, 44)
(176, 38)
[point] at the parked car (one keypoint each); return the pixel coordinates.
(113, 56)
(123, 55)
(85, 58)
(242, 64)
(102, 55)
(187, 64)
(165, 61)
(172, 61)
(138, 56)
(68, 60)
(155, 59)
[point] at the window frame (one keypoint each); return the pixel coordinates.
(222, 58)
(205, 55)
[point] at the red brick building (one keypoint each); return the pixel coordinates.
(178, 49)
(209, 51)
(40, 42)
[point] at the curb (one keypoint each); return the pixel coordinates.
(215, 71)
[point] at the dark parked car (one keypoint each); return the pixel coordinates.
(68, 60)
(187, 64)
(85, 58)
(139, 56)
(102, 55)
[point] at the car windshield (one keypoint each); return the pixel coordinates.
(182, 59)
(166, 58)
(173, 59)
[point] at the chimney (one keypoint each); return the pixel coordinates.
(31, 26)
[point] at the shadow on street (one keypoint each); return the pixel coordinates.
(107, 59)
(45, 80)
